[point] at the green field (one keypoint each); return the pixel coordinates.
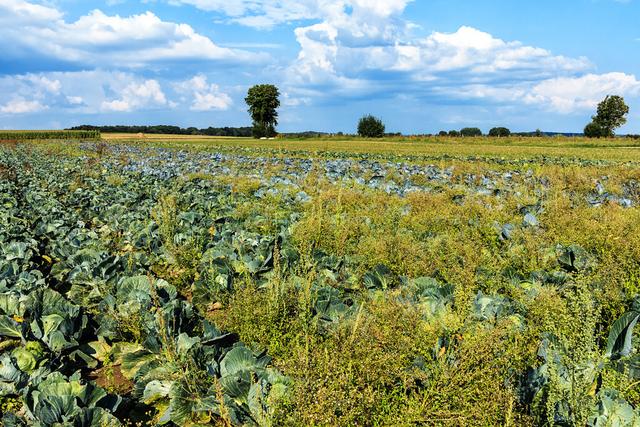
(44, 135)
(620, 149)
(174, 280)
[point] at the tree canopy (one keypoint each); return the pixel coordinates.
(612, 113)
(468, 132)
(371, 127)
(263, 101)
(499, 132)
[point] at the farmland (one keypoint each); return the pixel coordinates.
(193, 281)
(49, 135)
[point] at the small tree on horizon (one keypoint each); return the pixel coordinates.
(499, 132)
(371, 127)
(263, 101)
(470, 132)
(612, 113)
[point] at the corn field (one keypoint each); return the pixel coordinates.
(21, 135)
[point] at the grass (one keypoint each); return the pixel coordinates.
(618, 150)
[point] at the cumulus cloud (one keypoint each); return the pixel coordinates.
(82, 92)
(261, 13)
(21, 106)
(342, 51)
(28, 93)
(369, 49)
(137, 95)
(205, 96)
(97, 38)
(560, 95)
(568, 94)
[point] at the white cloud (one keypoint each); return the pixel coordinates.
(42, 83)
(560, 95)
(22, 106)
(82, 92)
(134, 96)
(206, 97)
(97, 38)
(369, 49)
(568, 94)
(268, 13)
(261, 13)
(75, 100)
(24, 12)
(344, 50)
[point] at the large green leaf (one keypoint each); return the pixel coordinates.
(9, 327)
(613, 411)
(620, 341)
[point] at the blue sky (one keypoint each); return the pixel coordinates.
(421, 65)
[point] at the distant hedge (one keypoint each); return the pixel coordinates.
(24, 135)
(170, 130)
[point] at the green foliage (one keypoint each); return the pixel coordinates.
(595, 130)
(612, 113)
(69, 135)
(620, 341)
(370, 127)
(470, 132)
(499, 132)
(263, 101)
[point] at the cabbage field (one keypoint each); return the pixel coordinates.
(152, 283)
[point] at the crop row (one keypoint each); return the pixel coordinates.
(27, 135)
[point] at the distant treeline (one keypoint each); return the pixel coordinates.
(247, 132)
(169, 130)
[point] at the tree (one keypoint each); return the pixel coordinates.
(594, 130)
(454, 133)
(370, 127)
(499, 132)
(263, 101)
(442, 133)
(538, 133)
(469, 132)
(612, 113)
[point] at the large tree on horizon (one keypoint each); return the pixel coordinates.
(263, 101)
(612, 113)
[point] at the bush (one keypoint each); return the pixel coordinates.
(442, 133)
(371, 127)
(594, 130)
(469, 132)
(500, 132)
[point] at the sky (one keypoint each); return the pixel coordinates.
(421, 66)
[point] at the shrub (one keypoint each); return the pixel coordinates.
(500, 132)
(371, 127)
(594, 130)
(470, 132)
